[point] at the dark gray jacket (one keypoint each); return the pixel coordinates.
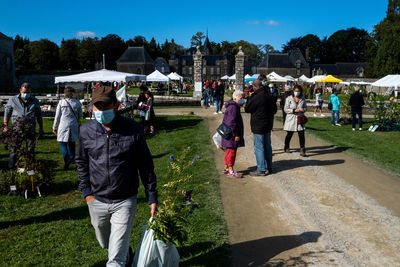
(16, 108)
(108, 162)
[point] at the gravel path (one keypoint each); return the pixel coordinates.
(307, 212)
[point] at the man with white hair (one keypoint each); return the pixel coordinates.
(356, 102)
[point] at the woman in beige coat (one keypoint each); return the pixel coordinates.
(295, 106)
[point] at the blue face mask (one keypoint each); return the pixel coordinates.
(241, 102)
(296, 94)
(104, 117)
(25, 95)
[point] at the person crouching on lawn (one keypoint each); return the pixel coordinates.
(233, 119)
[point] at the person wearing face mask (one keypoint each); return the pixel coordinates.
(23, 105)
(112, 150)
(295, 106)
(66, 125)
(233, 119)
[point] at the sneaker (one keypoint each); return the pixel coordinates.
(315, 115)
(337, 124)
(270, 171)
(257, 173)
(322, 115)
(235, 174)
(220, 112)
(215, 113)
(225, 171)
(360, 129)
(354, 129)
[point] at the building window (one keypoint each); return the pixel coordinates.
(162, 69)
(204, 71)
(217, 62)
(298, 64)
(190, 70)
(218, 70)
(183, 71)
(212, 71)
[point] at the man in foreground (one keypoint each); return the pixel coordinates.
(262, 108)
(111, 151)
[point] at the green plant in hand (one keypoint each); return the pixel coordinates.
(173, 213)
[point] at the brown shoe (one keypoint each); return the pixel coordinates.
(303, 152)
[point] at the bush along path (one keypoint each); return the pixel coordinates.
(330, 209)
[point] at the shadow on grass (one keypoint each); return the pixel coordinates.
(76, 213)
(166, 124)
(100, 263)
(210, 257)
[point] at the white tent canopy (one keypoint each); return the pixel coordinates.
(233, 77)
(316, 78)
(303, 78)
(255, 76)
(226, 77)
(157, 76)
(274, 77)
(100, 76)
(174, 76)
(289, 78)
(247, 76)
(392, 80)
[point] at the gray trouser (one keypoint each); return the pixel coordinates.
(113, 225)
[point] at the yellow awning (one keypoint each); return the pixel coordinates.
(329, 79)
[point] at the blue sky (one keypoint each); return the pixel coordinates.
(259, 22)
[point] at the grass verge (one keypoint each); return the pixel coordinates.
(379, 148)
(55, 230)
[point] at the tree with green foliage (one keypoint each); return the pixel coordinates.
(112, 46)
(197, 39)
(384, 47)
(43, 55)
(21, 52)
(69, 51)
(87, 53)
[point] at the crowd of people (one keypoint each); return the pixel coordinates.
(262, 105)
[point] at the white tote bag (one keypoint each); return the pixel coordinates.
(155, 253)
(217, 138)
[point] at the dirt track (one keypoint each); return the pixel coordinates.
(329, 209)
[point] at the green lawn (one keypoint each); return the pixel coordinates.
(380, 148)
(55, 230)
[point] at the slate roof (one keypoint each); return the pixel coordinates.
(135, 55)
(284, 60)
(160, 63)
(206, 48)
(341, 68)
(3, 36)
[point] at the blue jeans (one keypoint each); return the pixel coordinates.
(216, 105)
(263, 151)
(113, 223)
(68, 150)
(333, 117)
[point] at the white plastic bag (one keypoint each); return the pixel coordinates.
(121, 94)
(217, 138)
(154, 253)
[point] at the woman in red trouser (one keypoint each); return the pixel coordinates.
(233, 119)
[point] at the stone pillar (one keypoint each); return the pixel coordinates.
(197, 73)
(239, 70)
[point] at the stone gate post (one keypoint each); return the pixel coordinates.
(198, 68)
(239, 70)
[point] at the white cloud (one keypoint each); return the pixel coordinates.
(272, 22)
(85, 34)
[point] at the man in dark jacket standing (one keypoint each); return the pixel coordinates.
(356, 102)
(262, 108)
(111, 151)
